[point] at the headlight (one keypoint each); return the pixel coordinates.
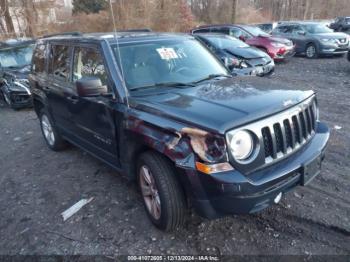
(243, 64)
(276, 44)
(241, 144)
(328, 40)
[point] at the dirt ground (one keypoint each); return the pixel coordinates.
(36, 185)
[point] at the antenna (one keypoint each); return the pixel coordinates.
(118, 49)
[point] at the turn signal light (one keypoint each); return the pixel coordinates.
(214, 168)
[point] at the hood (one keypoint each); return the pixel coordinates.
(245, 52)
(18, 73)
(277, 39)
(332, 35)
(219, 105)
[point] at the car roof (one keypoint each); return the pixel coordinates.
(112, 37)
(299, 23)
(214, 35)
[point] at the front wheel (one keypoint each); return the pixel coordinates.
(311, 51)
(51, 135)
(163, 197)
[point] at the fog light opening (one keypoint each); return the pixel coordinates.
(278, 198)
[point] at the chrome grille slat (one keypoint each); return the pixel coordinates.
(288, 132)
(274, 144)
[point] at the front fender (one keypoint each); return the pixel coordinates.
(182, 144)
(162, 137)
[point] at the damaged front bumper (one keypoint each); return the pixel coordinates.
(263, 70)
(235, 193)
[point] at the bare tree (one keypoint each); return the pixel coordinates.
(233, 11)
(5, 12)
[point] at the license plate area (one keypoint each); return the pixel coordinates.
(310, 170)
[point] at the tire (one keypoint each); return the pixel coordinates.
(52, 138)
(311, 51)
(161, 191)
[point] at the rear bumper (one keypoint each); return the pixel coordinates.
(235, 193)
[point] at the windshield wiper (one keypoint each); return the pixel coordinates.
(212, 76)
(167, 84)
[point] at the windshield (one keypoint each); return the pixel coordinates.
(225, 42)
(16, 56)
(255, 31)
(317, 29)
(166, 61)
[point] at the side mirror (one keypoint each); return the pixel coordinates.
(90, 86)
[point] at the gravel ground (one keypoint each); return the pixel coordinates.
(36, 185)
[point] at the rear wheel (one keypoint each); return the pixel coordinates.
(50, 133)
(163, 197)
(311, 51)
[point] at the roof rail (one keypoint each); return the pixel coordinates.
(64, 34)
(145, 30)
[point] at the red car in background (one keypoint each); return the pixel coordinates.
(278, 48)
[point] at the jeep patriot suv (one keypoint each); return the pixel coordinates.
(164, 111)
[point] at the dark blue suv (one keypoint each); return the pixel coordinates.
(164, 111)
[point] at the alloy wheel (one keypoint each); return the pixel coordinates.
(47, 130)
(150, 192)
(311, 51)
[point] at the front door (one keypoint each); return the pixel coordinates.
(59, 86)
(94, 117)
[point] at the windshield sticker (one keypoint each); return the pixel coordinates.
(167, 53)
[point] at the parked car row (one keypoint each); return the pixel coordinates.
(278, 48)
(244, 50)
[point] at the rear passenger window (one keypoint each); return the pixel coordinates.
(39, 59)
(88, 62)
(60, 61)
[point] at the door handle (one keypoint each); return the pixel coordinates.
(74, 99)
(46, 88)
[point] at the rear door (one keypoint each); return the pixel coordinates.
(95, 126)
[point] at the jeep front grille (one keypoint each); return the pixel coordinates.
(283, 136)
